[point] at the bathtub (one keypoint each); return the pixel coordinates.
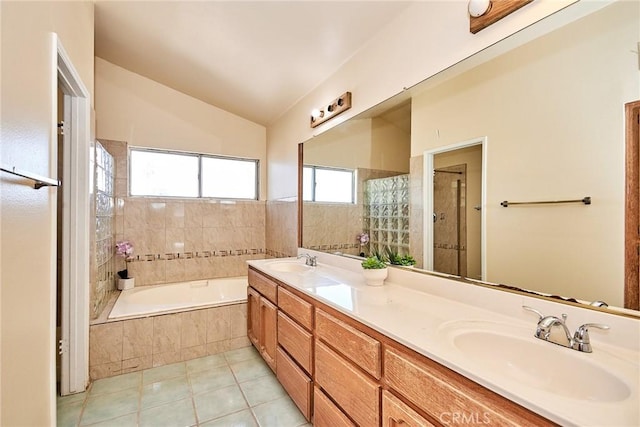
(148, 300)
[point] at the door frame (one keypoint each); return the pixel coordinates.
(632, 207)
(74, 343)
(429, 156)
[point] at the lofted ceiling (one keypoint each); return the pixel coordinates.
(255, 59)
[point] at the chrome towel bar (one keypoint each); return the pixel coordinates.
(39, 181)
(585, 200)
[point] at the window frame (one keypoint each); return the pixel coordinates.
(200, 156)
(329, 168)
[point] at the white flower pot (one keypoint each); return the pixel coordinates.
(375, 276)
(124, 284)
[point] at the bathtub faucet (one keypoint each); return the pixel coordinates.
(311, 261)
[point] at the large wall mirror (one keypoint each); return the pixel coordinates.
(425, 172)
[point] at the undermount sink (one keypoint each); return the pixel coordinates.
(289, 266)
(513, 353)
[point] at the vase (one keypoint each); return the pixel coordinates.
(375, 276)
(124, 284)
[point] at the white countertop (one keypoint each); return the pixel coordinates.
(417, 310)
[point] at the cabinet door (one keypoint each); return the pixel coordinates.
(268, 332)
(295, 382)
(253, 317)
(395, 413)
(326, 414)
(295, 340)
(352, 390)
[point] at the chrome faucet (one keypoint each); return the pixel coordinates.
(580, 339)
(311, 261)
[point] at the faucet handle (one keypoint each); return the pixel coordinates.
(541, 316)
(581, 341)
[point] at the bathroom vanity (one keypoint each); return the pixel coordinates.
(418, 354)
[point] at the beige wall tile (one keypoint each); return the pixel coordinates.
(166, 358)
(218, 324)
(135, 213)
(105, 343)
(217, 347)
(174, 270)
(174, 215)
(193, 214)
(193, 328)
(137, 364)
(155, 214)
(193, 352)
(105, 370)
(137, 338)
(193, 240)
(239, 342)
(166, 334)
(174, 240)
(238, 320)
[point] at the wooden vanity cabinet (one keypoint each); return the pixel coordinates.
(262, 316)
(447, 396)
(326, 413)
(295, 349)
(396, 413)
(340, 372)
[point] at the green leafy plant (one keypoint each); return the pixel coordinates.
(397, 259)
(373, 263)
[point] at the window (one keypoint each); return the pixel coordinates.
(321, 184)
(175, 174)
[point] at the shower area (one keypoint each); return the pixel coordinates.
(449, 220)
(386, 214)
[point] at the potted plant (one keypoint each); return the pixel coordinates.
(401, 260)
(124, 249)
(374, 270)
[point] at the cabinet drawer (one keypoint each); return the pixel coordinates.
(397, 413)
(297, 308)
(264, 285)
(326, 414)
(295, 382)
(295, 340)
(359, 347)
(352, 390)
(438, 390)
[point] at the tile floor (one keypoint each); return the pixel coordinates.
(235, 388)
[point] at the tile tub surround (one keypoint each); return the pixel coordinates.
(119, 347)
(412, 308)
(231, 388)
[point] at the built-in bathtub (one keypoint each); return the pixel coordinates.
(147, 300)
(152, 326)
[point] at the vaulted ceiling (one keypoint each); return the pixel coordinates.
(255, 59)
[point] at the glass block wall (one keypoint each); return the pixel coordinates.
(386, 214)
(104, 181)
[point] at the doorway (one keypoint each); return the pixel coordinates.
(72, 237)
(454, 220)
(449, 219)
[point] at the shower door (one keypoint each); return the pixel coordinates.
(449, 220)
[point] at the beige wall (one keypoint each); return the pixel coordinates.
(555, 125)
(141, 112)
(27, 226)
(425, 39)
(363, 143)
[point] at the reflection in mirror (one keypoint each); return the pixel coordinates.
(553, 118)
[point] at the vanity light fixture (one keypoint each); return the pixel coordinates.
(337, 106)
(478, 7)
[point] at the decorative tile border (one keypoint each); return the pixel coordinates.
(201, 254)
